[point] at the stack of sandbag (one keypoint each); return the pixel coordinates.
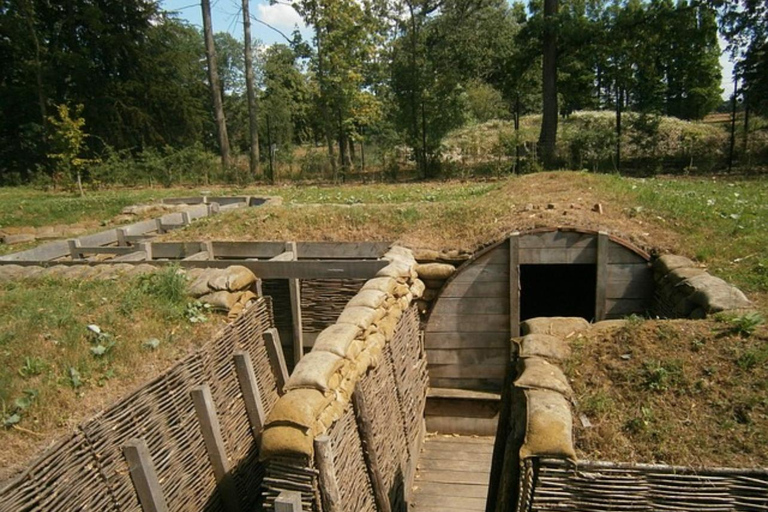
(320, 387)
(227, 289)
(684, 290)
(434, 276)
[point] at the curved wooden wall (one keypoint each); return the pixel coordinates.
(477, 312)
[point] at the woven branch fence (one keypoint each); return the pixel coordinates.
(88, 470)
(553, 484)
(395, 391)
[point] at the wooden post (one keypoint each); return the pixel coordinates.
(208, 247)
(601, 283)
(514, 285)
(329, 485)
(144, 476)
(185, 220)
(294, 287)
(251, 395)
(276, 358)
(147, 248)
(159, 226)
(74, 245)
(288, 501)
(121, 233)
(214, 444)
(363, 415)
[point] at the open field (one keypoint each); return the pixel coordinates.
(55, 371)
(679, 392)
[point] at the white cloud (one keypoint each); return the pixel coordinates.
(280, 16)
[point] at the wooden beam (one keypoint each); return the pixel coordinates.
(276, 358)
(294, 288)
(285, 256)
(601, 283)
(121, 233)
(329, 485)
(81, 249)
(198, 256)
(144, 476)
(74, 249)
(514, 285)
(214, 444)
(250, 389)
(146, 248)
(137, 255)
(288, 501)
(363, 416)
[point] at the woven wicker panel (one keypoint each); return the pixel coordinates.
(408, 359)
(88, 469)
(287, 474)
(323, 300)
(349, 463)
(389, 441)
(606, 486)
(69, 465)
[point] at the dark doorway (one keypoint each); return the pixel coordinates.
(557, 290)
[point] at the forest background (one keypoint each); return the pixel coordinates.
(95, 93)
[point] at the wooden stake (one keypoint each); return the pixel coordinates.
(514, 285)
(276, 358)
(144, 476)
(214, 444)
(294, 287)
(329, 485)
(74, 246)
(251, 395)
(601, 282)
(363, 415)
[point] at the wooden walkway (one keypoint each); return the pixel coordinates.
(452, 474)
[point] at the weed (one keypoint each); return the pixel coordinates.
(753, 357)
(74, 377)
(661, 376)
(32, 366)
(169, 284)
(698, 344)
(596, 403)
(746, 324)
(640, 423)
(195, 312)
(667, 333)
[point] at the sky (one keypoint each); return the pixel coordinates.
(225, 16)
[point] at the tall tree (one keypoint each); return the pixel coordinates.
(253, 123)
(548, 134)
(213, 82)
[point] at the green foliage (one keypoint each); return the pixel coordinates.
(67, 142)
(168, 284)
(746, 324)
(661, 376)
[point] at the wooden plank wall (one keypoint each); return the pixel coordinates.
(467, 335)
(468, 331)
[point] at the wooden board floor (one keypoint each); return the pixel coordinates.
(452, 474)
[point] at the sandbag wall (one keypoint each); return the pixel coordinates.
(88, 469)
(535, 420)
(346, 433)
(685, 290)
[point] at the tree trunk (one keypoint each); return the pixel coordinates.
(732, 147)
(619, 99)
(29, 15)
(253, 122)
(421, 155)
(327, 125)
(745, 141)
(362, 155)
(548, 135)
(270, 152)
(213, 79)
(517, 133)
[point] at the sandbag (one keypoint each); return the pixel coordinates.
(298, 407)
(429, 294)
(432, 284)
(240, 305)
(368, 298)
(549, 426)
(336, 339)
(556, 326)
(417, 288)
(194, 273)
(360, 316)
(439, 271)
(221, 300)
(384, 284)
(141, 269)
(544, 345)
(681, 274)
(425, 255)
(537, 373)
(316, 370)
(396, 270)
(720, 297)
(388, 324)
(234, 278)
(608, 325)
(199, 286)
(286, 440)
(401, 290)
(669, 262)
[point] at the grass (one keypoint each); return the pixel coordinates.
(68, 348)
(700, 400)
